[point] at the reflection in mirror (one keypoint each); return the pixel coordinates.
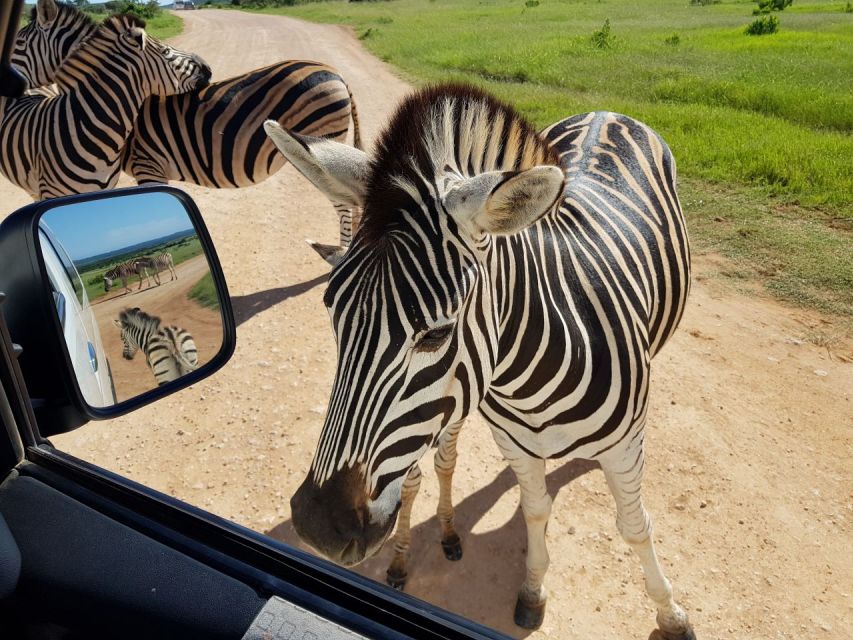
(133, 291)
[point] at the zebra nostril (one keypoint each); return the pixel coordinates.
(351, 554)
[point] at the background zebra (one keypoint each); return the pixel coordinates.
(213, 136)
(157, 264)
(72, 142)
(530, 276)
(170, 351)
(123, 271)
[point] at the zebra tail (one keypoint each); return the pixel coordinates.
(178, 355)
(356, 130)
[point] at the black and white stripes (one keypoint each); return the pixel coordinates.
(530, 276)
(169, 350)
(72, 142)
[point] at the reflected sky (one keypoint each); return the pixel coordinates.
(102, 226)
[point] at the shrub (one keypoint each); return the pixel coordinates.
(763, 26)
(603, 39)
(704, 3)
(673, 40)
(848, 8)
(531, 3)
(766, 6)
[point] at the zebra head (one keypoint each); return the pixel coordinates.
(416, 318)
(129, 322)
(121, 46)
(52, 33)
(108, 282)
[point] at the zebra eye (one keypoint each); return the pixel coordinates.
(434, 338)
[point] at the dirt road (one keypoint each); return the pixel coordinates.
(749, 469)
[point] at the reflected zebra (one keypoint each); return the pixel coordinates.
(169, 350)
(123, 272)
(529, 276)
(157, 264)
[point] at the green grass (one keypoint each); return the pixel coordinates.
(204, 292)
(758, 125)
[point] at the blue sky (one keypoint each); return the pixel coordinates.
(92, 228)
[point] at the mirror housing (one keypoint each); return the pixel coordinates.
(31, 314)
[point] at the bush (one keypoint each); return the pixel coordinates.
(144, 10)
(602, 39)
(848, 8)
(766, 6)
(673, 40)
(763, 26)
(704, 3)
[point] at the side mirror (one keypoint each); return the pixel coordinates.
(117, 299)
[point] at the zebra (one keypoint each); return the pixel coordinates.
(157, 264)
(213, 136)
(126, 269)
(72, 142)
(531, 276)
(169, 350)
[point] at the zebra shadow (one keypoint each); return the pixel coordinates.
(254, 303)
(482, 585)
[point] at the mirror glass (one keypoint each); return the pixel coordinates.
(133, 291)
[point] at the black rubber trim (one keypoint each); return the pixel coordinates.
(271, 567)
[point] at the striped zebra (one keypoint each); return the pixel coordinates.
(157, 264)
(213, 136)
(170, 351)
(134, 267)
(72, 142)
(530, 276)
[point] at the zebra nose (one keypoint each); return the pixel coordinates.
(205, 73)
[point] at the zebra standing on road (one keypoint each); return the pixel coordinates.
(72, 142)
(123, 271)
(530, 276)
(170, 351)
(214, 136)
(157, 264)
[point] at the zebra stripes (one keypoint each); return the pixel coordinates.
(169, 350)
(530, 276)
(211, 137)
(72, 142)
(157, 264)
(124, 271)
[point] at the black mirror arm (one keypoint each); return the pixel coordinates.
(12, 83)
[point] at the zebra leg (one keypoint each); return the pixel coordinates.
(396, 574)
(624, 477)
(536, 507)
(445, 464)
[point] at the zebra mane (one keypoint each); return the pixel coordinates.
(138, 318)
(117, 23)
(447, 127)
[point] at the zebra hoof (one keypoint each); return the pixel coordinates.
(529, 616)
(452, 547)
(396, 580)
(660, 634)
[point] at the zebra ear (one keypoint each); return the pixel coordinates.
(338, 170)
(117, 323)
(505, 202)
(46, 11)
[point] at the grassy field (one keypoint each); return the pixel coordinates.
(761, 126)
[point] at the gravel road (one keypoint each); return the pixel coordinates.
(749, 470)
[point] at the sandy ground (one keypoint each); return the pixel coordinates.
(749, 471)
(170, 303)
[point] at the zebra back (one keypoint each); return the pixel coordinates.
(170, 351)
(214, 137)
